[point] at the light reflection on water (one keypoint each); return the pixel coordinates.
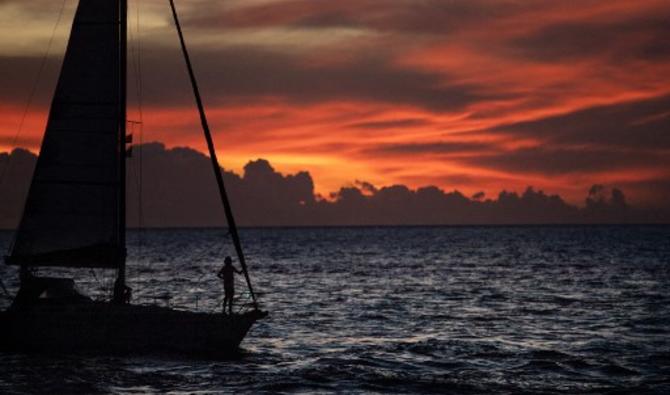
(465, 309)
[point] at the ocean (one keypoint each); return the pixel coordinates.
(537, 309)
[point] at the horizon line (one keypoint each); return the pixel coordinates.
(473, 225)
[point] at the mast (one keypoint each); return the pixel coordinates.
(120, 284)
(215, 163)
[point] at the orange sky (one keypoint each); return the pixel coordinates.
(476, 95)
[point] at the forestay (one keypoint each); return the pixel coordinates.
(73, 209)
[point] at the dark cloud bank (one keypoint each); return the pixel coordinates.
(179, 190)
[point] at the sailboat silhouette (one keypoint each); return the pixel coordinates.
(75, 215)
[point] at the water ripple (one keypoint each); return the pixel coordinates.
(398, 310)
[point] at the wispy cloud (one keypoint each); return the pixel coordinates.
(475, 95)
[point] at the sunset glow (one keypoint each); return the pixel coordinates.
(468, 95)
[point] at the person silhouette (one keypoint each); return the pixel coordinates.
(227, 274)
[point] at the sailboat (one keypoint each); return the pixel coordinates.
(75, 215)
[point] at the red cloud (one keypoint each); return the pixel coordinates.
(475, 95)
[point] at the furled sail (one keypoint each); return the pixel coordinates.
(73, 210)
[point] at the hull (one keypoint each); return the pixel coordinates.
(123, 329)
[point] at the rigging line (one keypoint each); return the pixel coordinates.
(135, 61)
(212, 154)
(4, 289)
(199, 259)
(31, 96)
(137, 179)
(140, 103)
(133, 169)
(101, 285)
(137, 170)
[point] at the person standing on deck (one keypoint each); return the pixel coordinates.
(227, 274)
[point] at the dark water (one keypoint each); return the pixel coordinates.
(400, 310)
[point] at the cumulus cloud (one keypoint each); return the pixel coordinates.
(475, 95)
(178, 189)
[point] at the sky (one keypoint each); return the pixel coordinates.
(473, 95)
(178, 190)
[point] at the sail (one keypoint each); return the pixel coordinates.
(73, 209)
